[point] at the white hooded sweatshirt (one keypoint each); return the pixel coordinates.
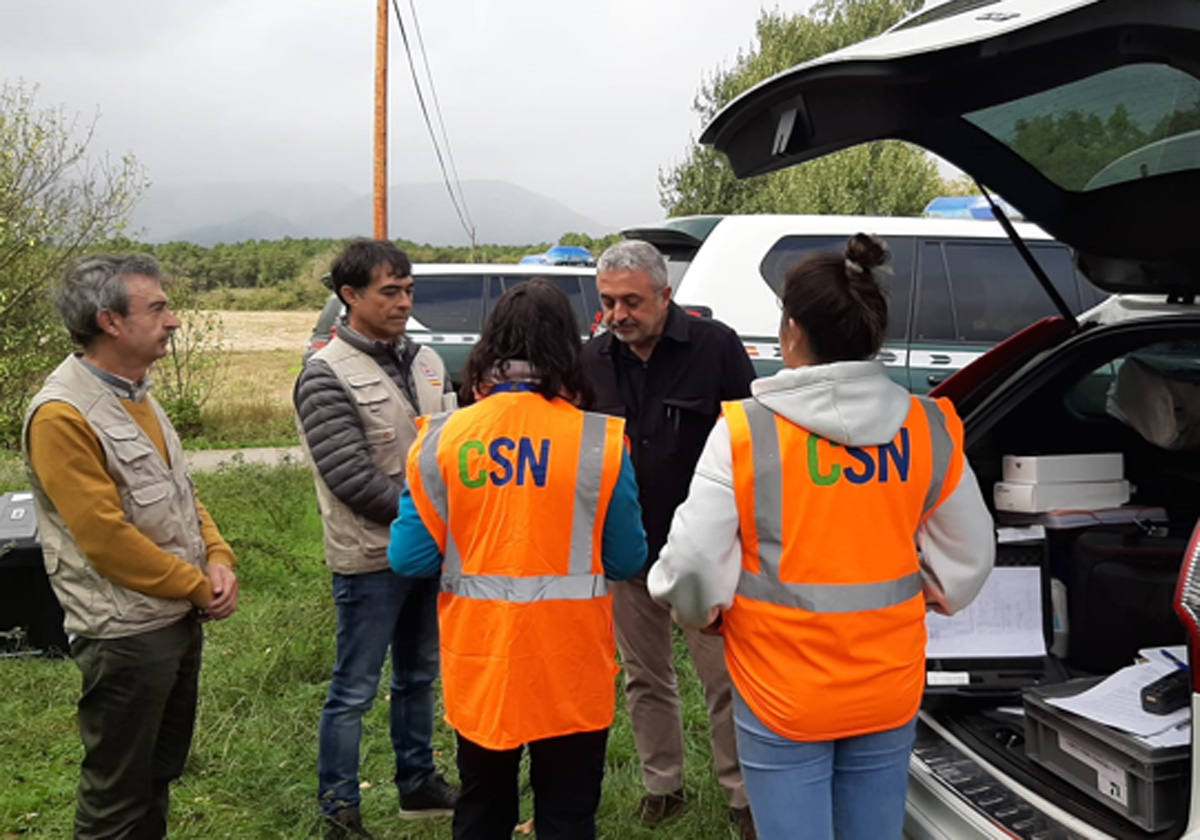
(852, 403)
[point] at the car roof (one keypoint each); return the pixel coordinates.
(432, 270)
(937, 79)
(693, 231)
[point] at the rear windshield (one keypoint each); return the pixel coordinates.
(1130, 122)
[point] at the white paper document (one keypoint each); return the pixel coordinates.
(1004, 620)
(1175, 654)
(1117, 701)
(1179, 735)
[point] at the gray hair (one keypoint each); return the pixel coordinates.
(95, 282)
(635, 255)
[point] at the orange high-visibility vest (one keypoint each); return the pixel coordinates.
(514, 490)
(826, 635)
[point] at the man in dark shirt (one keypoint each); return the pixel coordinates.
(665, 372)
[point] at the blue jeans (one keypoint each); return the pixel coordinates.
(375, 610)
(851, 788)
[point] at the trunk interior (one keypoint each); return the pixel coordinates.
(1069, 403)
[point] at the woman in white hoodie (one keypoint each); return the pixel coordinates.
(827, 513)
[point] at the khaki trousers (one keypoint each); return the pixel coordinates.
(652, 692)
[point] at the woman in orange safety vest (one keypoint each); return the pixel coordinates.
(526, 505)
(800, 538)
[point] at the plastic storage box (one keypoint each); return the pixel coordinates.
(1148, 786)
(30, 616)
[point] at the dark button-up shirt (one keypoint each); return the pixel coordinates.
(670, 403)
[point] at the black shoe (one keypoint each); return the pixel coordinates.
(434, 798)
(743, 822)
(345, 823)
(657, 808)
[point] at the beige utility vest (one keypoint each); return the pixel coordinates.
(355, 544)
(157, 499)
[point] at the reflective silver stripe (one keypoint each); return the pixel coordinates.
(768, 485)
(942, 447)
(452, 560)
(768, 520)
(525, 590)
(830, 597)
(587, 492)
(579, 583)
(427, 464)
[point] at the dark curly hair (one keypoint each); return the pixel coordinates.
(535, 323)
(837, 301)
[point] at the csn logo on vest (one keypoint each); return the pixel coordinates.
(503, 461)
(867, 468)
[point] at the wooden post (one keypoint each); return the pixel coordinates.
(381, 182)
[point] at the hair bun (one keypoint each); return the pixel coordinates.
(865, 252)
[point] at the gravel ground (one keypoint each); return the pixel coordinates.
(206, 460)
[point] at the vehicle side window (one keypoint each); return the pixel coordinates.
(1055, 260)
(571, 285)
(1089, 295)
(591, 298)
(934, 320)
(495, 288)
(898, 283)
(995, 294)
(449, 304)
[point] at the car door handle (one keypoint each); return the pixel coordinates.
(939, 359)
(934, 379)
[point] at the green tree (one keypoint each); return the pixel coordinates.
(184, 379)
(55, 202)
(888, 178)
(961, 185)
(1070, 149)
(595, 245)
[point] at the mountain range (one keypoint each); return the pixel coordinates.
(208, 213)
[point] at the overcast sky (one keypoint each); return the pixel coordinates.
(579, 101)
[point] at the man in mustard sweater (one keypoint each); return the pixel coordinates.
(132, 555)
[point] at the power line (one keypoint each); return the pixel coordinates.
(429, 125)
(437, 110)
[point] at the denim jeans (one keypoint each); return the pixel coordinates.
(375, 610)
(850, 788)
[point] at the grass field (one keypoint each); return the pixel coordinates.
(252, 402)
(252, 773)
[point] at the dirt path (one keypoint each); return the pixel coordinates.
(205, 460)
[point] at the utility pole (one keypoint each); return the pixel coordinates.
(381, 182)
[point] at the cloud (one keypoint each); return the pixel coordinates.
(580, 101)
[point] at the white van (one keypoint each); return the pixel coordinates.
(957, 287)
